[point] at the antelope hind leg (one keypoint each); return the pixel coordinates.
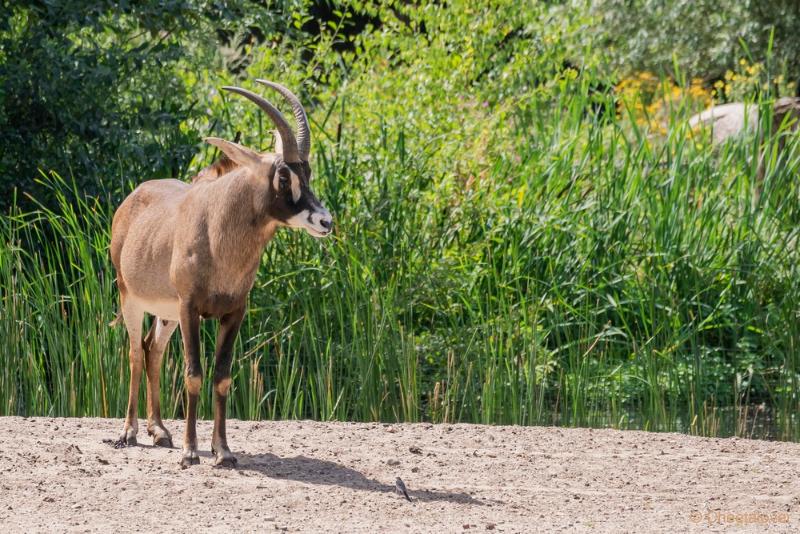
(133, 316)
(154, 345)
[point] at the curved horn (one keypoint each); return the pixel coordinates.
(290, 152)
(303, 131)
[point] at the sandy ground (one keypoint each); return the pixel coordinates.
(303, 476)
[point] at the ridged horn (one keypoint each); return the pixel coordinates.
(303, 130)
(290, 152)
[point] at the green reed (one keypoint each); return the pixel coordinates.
(594, 277)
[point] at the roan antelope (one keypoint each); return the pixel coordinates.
(183, 252)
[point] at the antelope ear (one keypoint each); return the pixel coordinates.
(278, 142)
(236, 152)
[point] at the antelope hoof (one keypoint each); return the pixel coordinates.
(127, 439)
(163, 441)
(189, 458)
(225, 460)
(161, 438)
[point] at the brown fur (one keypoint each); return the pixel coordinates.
(190, 251)
(183, 252)
(201, 242)
(201, 245)
(222, 166)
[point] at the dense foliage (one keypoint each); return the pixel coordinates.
(524, 234)
(102, 91)
(701, 37)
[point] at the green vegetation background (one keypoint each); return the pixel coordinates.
(515, 242)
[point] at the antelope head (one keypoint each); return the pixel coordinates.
(290, 200)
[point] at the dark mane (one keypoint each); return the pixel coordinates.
(222, 166)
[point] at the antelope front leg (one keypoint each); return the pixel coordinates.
(228, 329)
(190, 332)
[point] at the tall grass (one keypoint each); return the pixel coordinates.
(591, 276)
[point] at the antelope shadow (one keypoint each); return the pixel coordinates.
(327, 473)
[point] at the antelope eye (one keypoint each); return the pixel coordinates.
(283, 180)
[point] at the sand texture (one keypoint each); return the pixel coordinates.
(304, 476)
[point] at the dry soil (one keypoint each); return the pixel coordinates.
(303, 476)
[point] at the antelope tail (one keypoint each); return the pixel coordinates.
(117, 319)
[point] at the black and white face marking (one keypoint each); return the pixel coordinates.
(294, 203)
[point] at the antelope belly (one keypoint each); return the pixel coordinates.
(163, 309)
